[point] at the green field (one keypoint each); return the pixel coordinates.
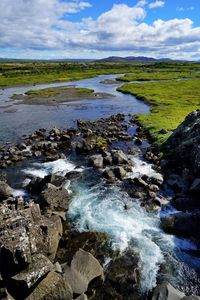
(157, 75)
(170, 103)
(46, 72)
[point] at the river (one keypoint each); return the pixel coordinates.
(96, 206)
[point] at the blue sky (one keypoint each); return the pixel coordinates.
(94, 29)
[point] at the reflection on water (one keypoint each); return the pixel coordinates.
(28, 118)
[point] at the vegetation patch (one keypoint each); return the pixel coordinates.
(170, 103)
(56, 95)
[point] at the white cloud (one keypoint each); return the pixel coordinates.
(38, 25)
(191, 8)
(141, 3)
(157, 4)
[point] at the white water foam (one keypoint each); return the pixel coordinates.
(140, 167)
(59, 167)
(101, 209)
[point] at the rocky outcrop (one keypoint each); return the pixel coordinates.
(181, 164)
(182, 148)
(25, 232)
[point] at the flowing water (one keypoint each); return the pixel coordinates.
(95, 205)
(28, 118)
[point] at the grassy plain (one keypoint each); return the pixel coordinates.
(46, 72)
(170, 102)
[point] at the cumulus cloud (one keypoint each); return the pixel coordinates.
(157, 4)
(42, 25)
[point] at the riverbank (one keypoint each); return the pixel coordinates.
(170, 103)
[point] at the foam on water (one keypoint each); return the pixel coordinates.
(140, 167)
(59, 167)
(102, 209)
(98, 207)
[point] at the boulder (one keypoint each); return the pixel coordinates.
(119, 172)
(182, 224)
(55, 198)
(84, 268)
(96, 161)
(109, 175)
(166, 291)
(119, 157)
(52, 287)
(23, 281)
(37, 184)
(5, 190)
(122, 277)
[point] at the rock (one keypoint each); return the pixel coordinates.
(23, 281)
(195, 187)
(155, 178)
(185, 203)
(119, 157)
(24, 231)
(84, 268)
(5, 190)
(96, 161)
(94, 242)
(163, 131)
(123, 276)
(138, 141)
(119, 172)
(52, 287)
(37, 184)
(73, 175)
(83, 147)
(109, 175)
(57, 267)
(84, 297)
(185, 142)
(54, 198)
(166, 291)
(182, 224)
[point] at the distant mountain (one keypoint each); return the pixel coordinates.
(132, 59)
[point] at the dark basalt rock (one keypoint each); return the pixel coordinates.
(183, 224)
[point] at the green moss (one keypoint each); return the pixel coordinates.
(100, 143)
(170, 103)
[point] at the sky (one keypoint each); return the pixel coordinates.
(57, 29)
